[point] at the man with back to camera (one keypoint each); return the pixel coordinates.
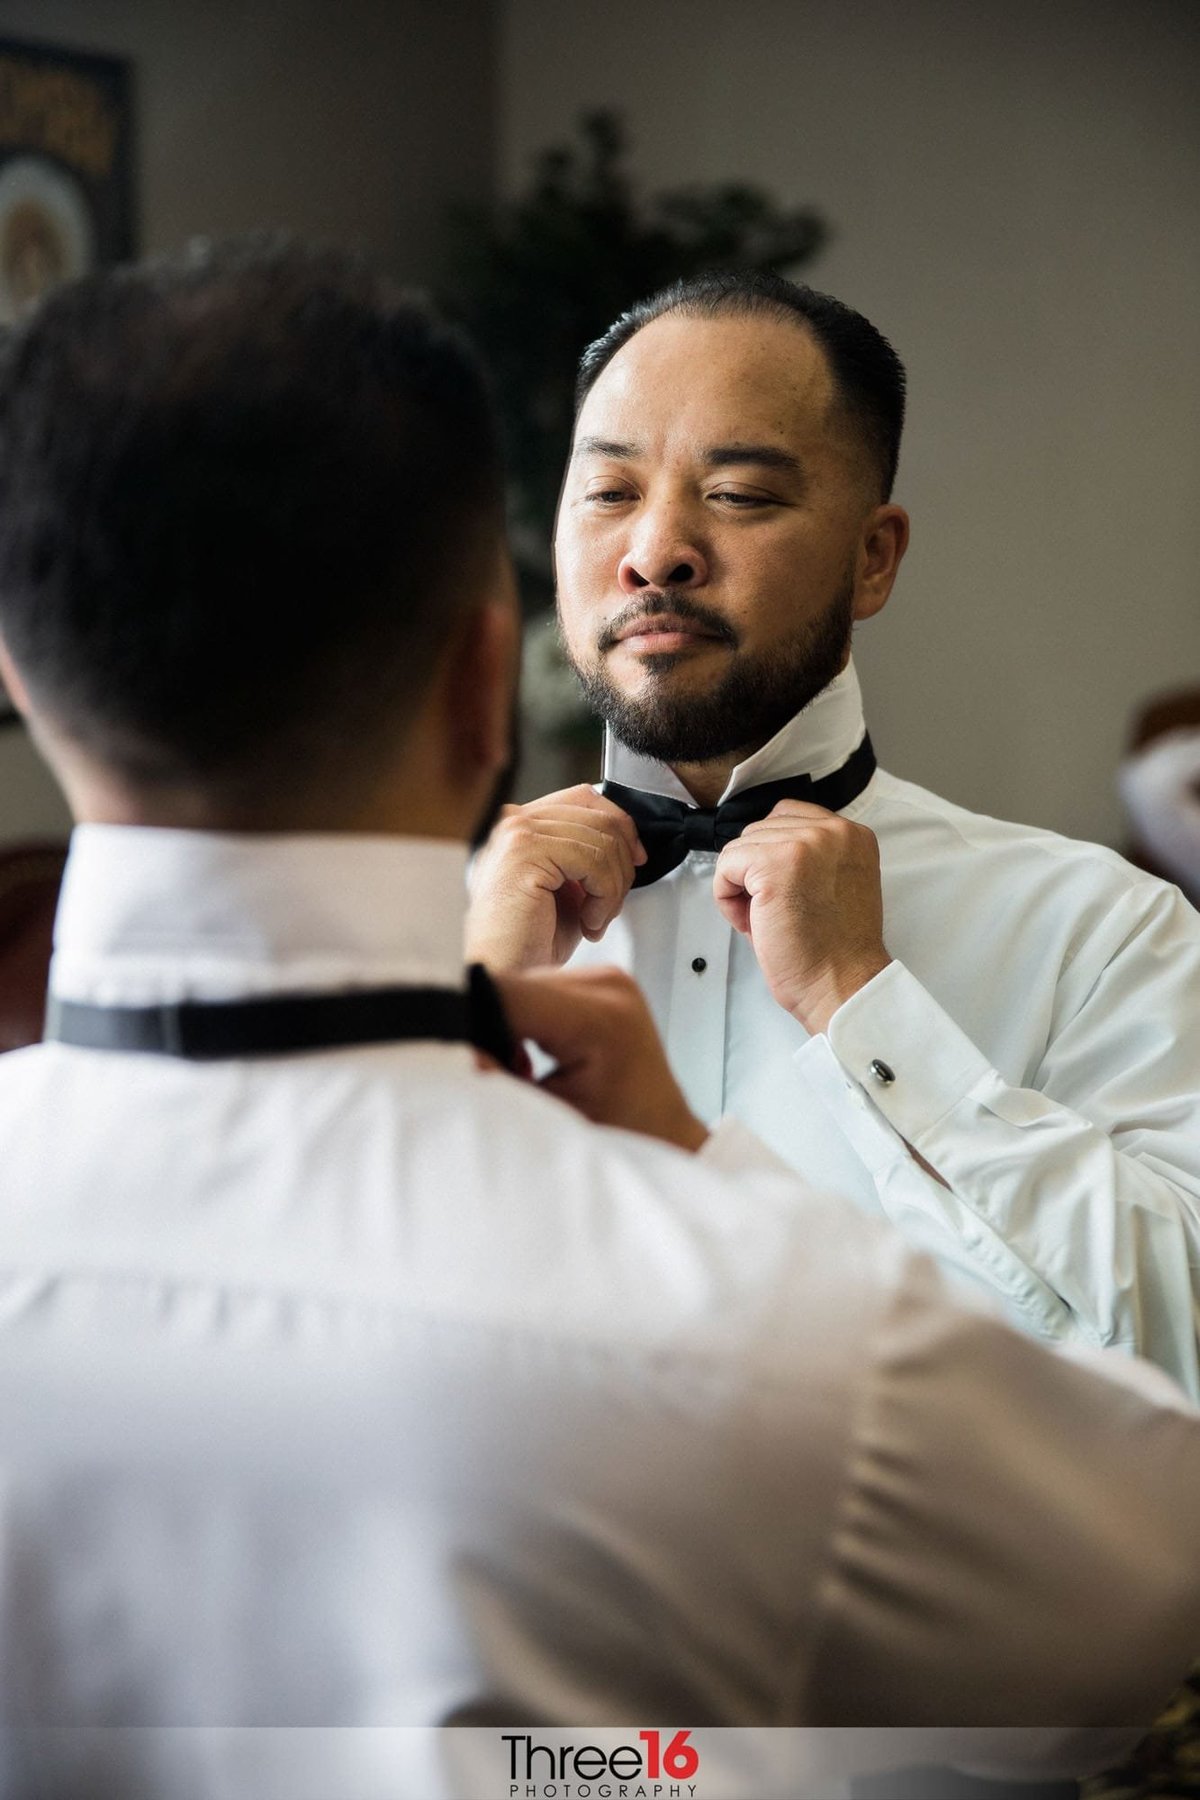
(571, 1442)
(988, 1032)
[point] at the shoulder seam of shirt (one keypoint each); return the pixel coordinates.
(1055, 844)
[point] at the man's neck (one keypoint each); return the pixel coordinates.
(707, 781)
(401, 807)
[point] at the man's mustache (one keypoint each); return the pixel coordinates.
(666, 600)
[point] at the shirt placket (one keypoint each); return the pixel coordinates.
(699, 990)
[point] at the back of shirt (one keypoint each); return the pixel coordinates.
(552, 1383)
(370, 1389)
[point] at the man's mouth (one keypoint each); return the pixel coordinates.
(664, 625)
(662, 634)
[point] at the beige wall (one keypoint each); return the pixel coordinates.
(1013, 185)
(354, 122)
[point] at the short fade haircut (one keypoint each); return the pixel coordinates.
(867, 373)
(243, 497)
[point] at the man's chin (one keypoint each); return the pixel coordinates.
(629, 671)
(667, 728)
(649, 671)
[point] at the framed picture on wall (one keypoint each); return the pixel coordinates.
(66, 169)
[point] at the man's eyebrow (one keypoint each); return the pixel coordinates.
(597, 446)
(766, 456)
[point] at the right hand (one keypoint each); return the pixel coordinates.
(551, 872)
(611, 1065)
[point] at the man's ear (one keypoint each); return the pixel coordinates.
(13, 684)
(881, 551)
(481, 684)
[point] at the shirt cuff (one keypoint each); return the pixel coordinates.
(940, 1220)
(905, 1052)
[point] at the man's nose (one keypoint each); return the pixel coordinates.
(661, 559)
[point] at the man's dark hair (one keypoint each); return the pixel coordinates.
(242, 497)
(867, 373)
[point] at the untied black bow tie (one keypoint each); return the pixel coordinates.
(281, 1024)
(670, 828)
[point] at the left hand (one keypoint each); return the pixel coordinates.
(803, 885)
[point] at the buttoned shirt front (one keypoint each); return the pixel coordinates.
(375, 1388)
(1041, 1020)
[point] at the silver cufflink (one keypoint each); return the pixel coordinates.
(882, 1073)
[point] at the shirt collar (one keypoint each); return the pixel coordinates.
(150, 914)
(815, 742)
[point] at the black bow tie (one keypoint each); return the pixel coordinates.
(278, 1024)
(670, 828)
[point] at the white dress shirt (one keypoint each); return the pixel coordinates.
(373, 1388)
(1042, 1021)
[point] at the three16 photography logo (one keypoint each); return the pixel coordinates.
(657, 1766)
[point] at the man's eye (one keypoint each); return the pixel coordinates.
(606, 496)
(741, 502)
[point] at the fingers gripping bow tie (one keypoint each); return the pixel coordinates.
(670, 828)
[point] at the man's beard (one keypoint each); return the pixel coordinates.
(754, 699)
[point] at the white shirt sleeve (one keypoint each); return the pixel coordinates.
(1016, 1545)
(1012, 1580)
(1159, 787)
(1086, 1221)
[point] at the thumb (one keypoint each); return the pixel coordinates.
(595, 916)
